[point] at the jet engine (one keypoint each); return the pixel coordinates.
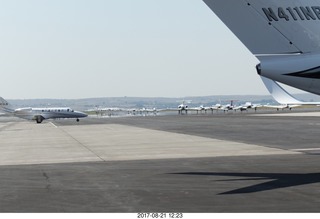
(301, 70)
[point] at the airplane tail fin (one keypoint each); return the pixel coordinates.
(273, 26)
(5, 106)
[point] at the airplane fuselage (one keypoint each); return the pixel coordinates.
(39, 114)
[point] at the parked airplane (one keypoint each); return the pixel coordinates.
(200, 108)
(183, 107)
(146, 111)
(246, 106)
(40, 114)
(230, 106)
(283, 35)
(217, 107)
(281, 106)
(99, 111)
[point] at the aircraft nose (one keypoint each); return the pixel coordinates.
(81, 114)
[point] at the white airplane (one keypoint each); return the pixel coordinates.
(200, 108)
(284, 36)
(40, 114)
(183, 107)
(99, 111)
(218, 106)
(281, 106)
(146, 111)
(246, 106)
(227, 107)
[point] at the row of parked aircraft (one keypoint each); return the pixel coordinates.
(39, 114)
(285, 100)
(184, 108)
(217, 107)
(231, 107)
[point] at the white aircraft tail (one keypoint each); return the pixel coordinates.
(5, 106)
(272, 26)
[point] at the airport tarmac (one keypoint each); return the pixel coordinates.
(244, 162)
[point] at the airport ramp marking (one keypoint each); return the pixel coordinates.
(292, 114)
(306, 149)
(84, 146)
(53, 124)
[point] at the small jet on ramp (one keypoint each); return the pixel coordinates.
(246, 106)
(40, 114)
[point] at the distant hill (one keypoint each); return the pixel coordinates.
(151, 102)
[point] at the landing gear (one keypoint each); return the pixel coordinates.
(180, 111)
(39, 119)
(78, 120)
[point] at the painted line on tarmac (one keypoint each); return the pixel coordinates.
(53, 125)
(306, 149)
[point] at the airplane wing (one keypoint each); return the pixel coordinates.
(199, 108)
(240, 107)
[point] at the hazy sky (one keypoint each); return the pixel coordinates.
(115, 48)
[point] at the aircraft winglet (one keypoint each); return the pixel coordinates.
(281, 95)
(278, 93)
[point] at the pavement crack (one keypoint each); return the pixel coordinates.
(80, 143)
(48, 184)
